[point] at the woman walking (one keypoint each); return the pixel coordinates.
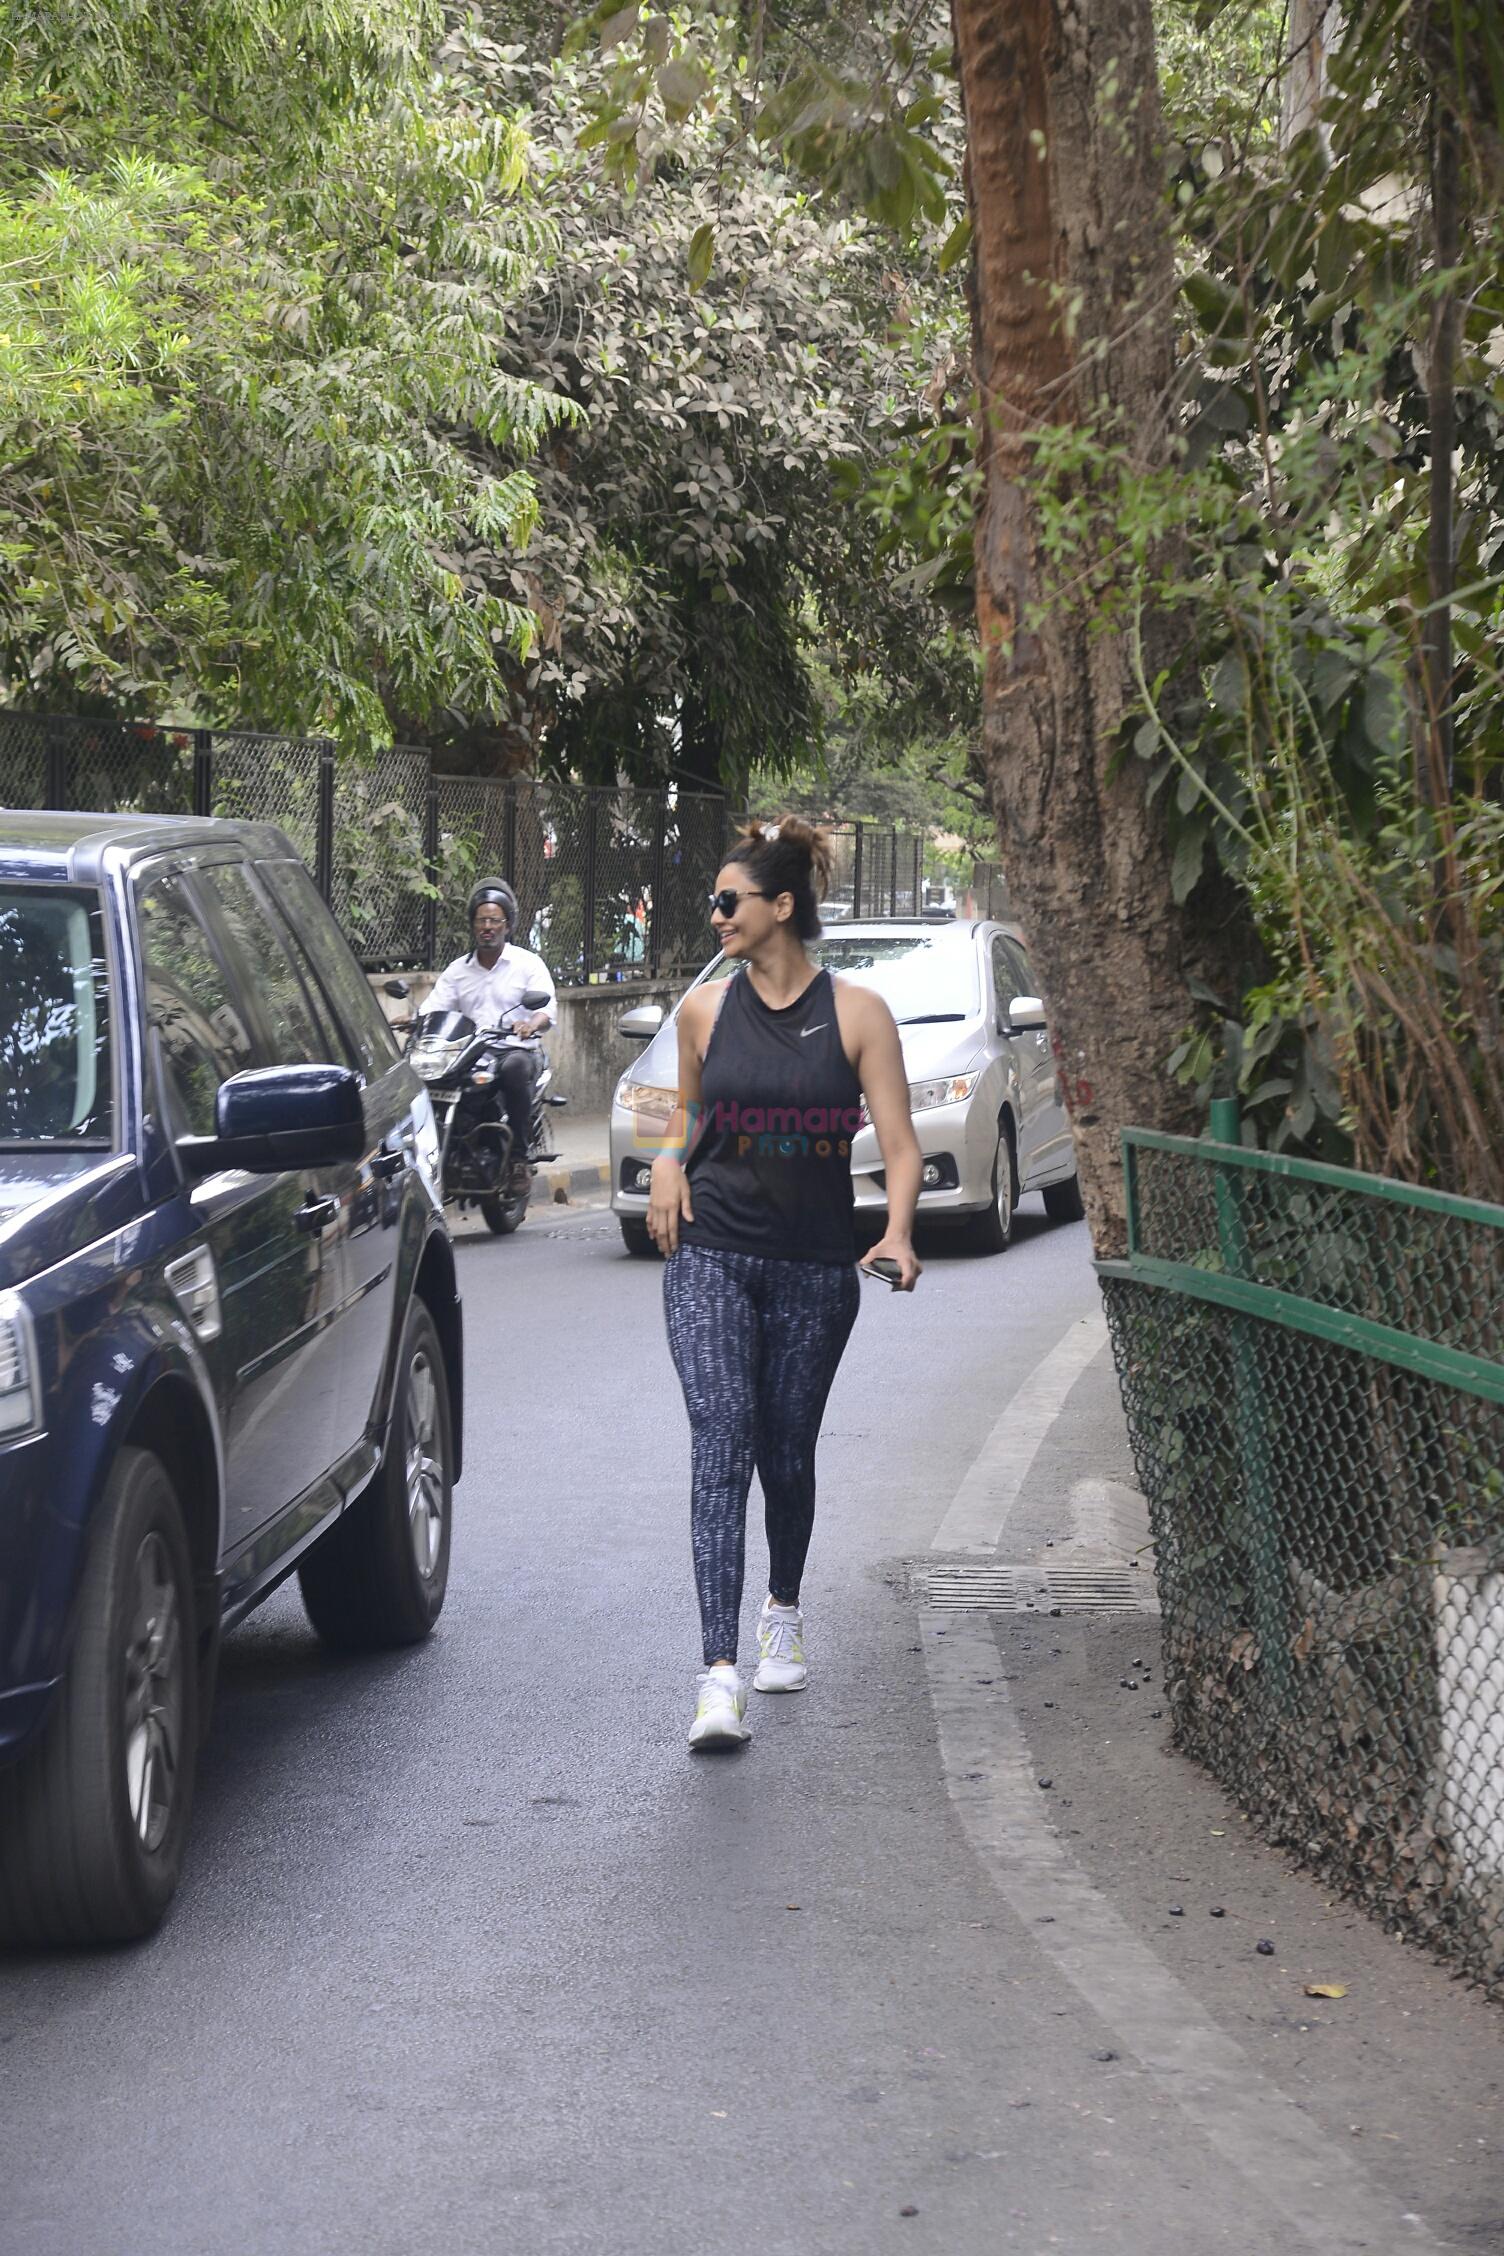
(760, 1288)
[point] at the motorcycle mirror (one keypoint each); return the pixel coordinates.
(536, 1000)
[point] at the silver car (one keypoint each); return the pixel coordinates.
(982, 1084)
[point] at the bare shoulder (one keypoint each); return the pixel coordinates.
(697, 1014)
(858, 1008)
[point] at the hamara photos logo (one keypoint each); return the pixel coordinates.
(768, 1131)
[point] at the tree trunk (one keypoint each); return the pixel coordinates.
(1441, 388)
(1066, 185)
(1312, 30)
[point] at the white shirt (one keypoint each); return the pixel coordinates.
(488, 997)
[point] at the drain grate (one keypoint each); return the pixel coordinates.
(992, 1590)
(987, 1589)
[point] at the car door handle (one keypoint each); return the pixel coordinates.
(316, 1214)
(386, 1164)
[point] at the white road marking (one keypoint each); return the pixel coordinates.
(978, 1511)
(1294, 2169)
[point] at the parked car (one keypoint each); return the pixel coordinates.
(982, 1083)
(229, 1327)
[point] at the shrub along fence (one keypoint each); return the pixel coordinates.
(1311, 1366)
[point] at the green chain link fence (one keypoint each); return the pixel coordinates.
(1312, 1366)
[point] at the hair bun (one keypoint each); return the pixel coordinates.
(789, 855)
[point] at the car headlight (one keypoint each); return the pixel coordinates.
(647, 1097)
(925, 1095)
(20, 1386)
(652, 1110)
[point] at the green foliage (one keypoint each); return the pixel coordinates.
(1300, 747)
(360, 377)
(702, 558)
(856, 102)
(253, 279)
(883, 766)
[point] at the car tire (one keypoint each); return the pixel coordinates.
(637, 1238)
(378, 1577)
(94, 1818)
(1063, 1202)
(992, 1232)
(501, 1213)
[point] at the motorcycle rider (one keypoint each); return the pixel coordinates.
(488, 986)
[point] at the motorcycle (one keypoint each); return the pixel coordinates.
(459, 1063)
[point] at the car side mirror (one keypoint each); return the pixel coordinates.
(1025, 1015)
(640, 1023)
(398, 989)
(278, 1117)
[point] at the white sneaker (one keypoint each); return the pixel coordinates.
(780, 1647)
(719, 1710)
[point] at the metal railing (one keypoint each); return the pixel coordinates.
(611, 883)
(1312, 1366)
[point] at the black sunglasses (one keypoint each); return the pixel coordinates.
(725, 902)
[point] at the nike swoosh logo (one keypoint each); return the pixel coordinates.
(806, 1031)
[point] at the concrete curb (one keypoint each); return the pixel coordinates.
(557, 1184)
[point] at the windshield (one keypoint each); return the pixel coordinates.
(55, 1085)
(920, 975)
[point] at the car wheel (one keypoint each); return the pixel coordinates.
(637, 1238)
(1062, 1201)
(501, 1213)
(378, 1577)
(991, 1232)
(93, 1820)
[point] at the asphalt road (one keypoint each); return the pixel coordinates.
(471, 1955)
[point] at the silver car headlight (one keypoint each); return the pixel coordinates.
(654, 1106)
(645, 1096)
(20, 1385)
(925, 1095)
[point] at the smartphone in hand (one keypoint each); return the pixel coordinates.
(882, 1271)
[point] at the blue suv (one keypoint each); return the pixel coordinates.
(229, 1327)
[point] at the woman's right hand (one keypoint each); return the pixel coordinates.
(668, 1203)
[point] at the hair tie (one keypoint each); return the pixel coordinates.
(770, 836)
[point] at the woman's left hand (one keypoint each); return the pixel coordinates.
(896, 1248)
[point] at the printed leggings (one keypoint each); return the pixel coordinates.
(756, 1343)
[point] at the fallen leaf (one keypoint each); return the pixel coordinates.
(1305, 1643)
(1326, 1989)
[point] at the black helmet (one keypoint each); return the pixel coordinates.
(493, 889)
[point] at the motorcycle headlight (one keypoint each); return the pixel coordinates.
(433, 1059)
(925, 1095)
(20, 1386)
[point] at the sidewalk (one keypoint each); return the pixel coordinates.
(1337, 2074)
(582, 1169)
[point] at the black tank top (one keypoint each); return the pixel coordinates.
(770, 1168)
